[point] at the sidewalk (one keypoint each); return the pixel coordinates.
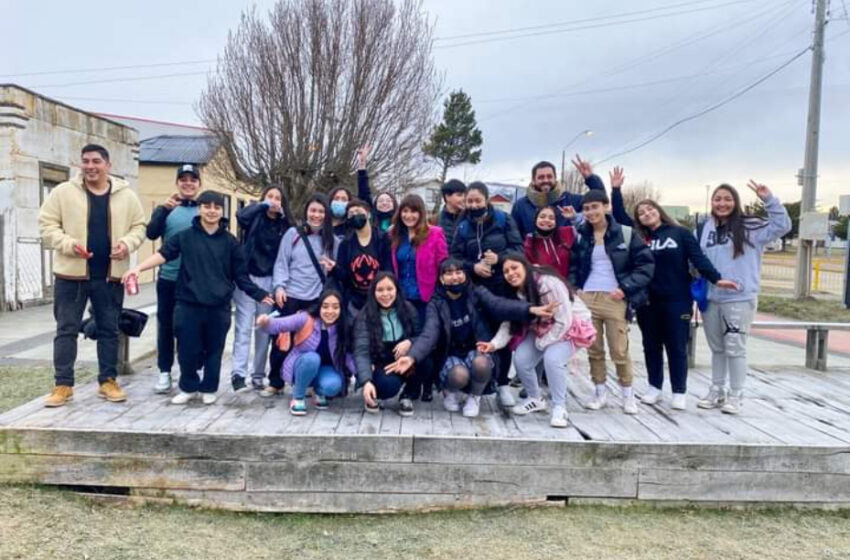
(26, 338)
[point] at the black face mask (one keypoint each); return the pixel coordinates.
(357, 221)
(544, 232)
(476, 213)
(456, 289)
(384, 215)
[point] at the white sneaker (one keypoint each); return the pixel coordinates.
(506, 396)
(451, 401)
(559, 417)
(734, 402)
(680, 401)
(163, 383)
(471, 406)
(529, 405)
(714, 399)
(599, 400)
(630, 405)
(183, 398)
(209, 398)
(652, 395)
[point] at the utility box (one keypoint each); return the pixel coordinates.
(814, 226)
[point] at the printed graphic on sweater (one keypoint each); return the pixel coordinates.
(661, 244)
(364, 267)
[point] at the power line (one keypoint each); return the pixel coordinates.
(596, 26)
(110, 100)
(569, 22)
(112, 80)
(107, 68)
(723, 27)
(710, 108)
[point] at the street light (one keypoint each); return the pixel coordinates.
(586, 132)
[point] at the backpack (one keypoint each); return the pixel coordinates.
(284, 340)
(581, 333)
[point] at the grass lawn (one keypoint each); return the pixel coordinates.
(21, 384)
(38, 522)
(805, 310)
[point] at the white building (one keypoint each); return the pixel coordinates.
(40, 142)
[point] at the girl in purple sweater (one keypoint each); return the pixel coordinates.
(319, 357)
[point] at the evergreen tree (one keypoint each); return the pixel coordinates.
(457, 139)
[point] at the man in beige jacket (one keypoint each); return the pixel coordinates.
(92, 222)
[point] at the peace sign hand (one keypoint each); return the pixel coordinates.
(616, 176)
(761, 190)
(583, 166)
(568, 212)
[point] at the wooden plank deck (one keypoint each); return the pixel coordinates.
(790, 444)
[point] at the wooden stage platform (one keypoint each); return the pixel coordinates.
(791, 444)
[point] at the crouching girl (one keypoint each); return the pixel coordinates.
(547, 339)
(457, 320)
(319, 357)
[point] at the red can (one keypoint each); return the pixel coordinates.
(132, 285)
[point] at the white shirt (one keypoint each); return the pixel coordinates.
(602, 277)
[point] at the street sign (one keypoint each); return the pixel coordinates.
(814, 226)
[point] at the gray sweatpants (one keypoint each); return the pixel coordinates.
(726, 328)
(555, 358)
(247, 311)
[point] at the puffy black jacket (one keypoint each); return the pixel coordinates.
(498, 233)
(261, 237)
(365, 357)
(633, 265)
(484, 308)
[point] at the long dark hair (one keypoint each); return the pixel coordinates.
(665, 217)
(736, 224)
(327, 231)
(372, 315)
(287, 220)
(341, 322)
(529, 289)
(399, 231)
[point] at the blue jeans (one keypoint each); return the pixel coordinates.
(309, 372)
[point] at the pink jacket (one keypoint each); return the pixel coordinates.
(433, 251)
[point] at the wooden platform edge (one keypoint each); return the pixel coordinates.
(407, 473)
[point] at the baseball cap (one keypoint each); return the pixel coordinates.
(189, 168)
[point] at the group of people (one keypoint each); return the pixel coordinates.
(367, 293)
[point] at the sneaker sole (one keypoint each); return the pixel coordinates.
(57, 405)
(372, 410)
(708, 406)
(159, 391)
(298, 412)
(405, 414)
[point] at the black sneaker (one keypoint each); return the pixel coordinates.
(427, 393)
(405, 407)
(238, 384)
(257, 384)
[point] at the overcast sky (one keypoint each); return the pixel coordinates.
(626, 78)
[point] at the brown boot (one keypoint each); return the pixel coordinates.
(110, 391)
(60, 396)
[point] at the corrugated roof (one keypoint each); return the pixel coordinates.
(177, 149)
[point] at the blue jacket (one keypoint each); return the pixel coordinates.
(524, 210)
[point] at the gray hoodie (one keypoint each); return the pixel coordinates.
(746, 269)
(294, 270)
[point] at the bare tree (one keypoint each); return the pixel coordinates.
(297, 92)
(641, 191)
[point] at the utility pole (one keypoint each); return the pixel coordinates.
(809, 175)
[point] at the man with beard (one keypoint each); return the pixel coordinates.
(546, 191)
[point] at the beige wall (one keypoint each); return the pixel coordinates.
(40, 142)
(158, 181)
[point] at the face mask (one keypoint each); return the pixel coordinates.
(544, 232)
(456, 289)
(314, 229)
(357, 221)
(384, 215)
(338, 208)
(476, 213)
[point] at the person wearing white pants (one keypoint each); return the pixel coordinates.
(541, 339)
(264, 224)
